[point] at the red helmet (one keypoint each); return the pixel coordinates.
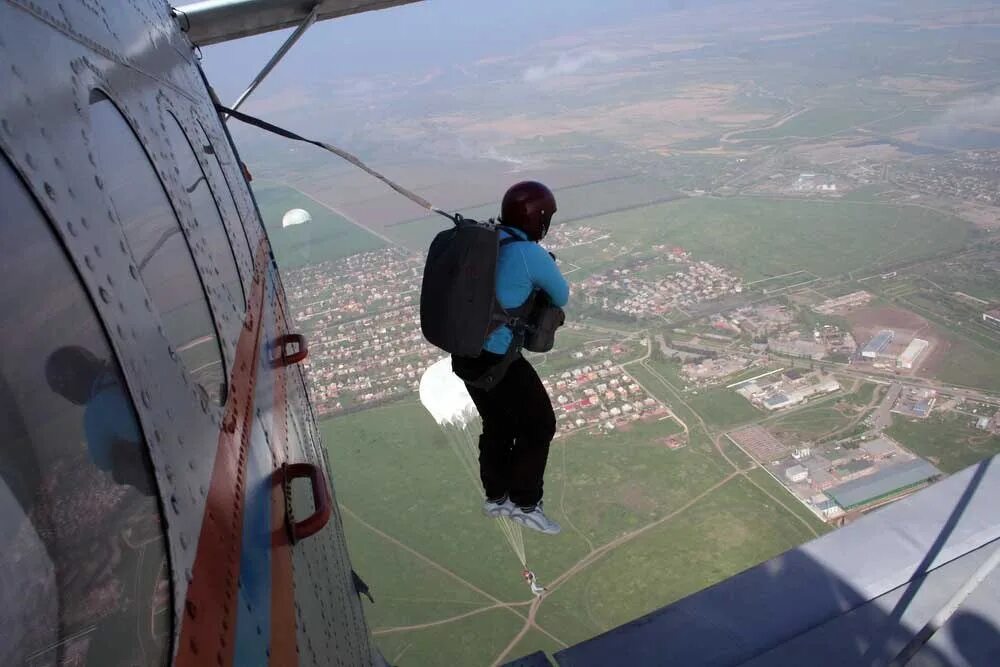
(528, 206)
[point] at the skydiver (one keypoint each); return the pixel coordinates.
(114, 441)
(533, 584)
(517, 416)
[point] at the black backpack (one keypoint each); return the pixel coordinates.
(458, 304)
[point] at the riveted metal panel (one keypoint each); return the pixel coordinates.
(53, 56)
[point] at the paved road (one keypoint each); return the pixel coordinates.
(883, 416)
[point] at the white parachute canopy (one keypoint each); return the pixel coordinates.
(444, 395)
(296, 216)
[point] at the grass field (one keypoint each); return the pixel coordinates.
(809, 423)
(723, 408)
(327, 237)
(761, 237)
(730, 529)
(475, 640)
(818, 122)
(863, 396)
(391, 464)
(575, 202)
(950, 441)
(970, 364)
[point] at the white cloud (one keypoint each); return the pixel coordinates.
(975, 110)
(567, 63)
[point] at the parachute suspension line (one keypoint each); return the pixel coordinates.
(462, 440)
(339, 152)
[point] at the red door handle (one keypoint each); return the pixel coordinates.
(286, 358)
(312, 524)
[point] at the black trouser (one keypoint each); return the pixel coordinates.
(518, 425)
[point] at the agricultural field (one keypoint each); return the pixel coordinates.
(968, 364)
(575, 202)
(328, 236)
(815, 122)
(625, 496)
(760, 238)
(950, 441)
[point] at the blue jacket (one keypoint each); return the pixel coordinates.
(521, 268)
(107, 419)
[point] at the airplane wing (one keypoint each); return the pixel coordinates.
(214, 21)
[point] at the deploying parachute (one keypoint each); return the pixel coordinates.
(444, 395)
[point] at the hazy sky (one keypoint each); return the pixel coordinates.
(417, 36)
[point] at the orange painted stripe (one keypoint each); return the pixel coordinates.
(283, 628)
(208, 621)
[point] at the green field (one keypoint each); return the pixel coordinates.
(723, 408)
(863, 396)
(970, 364)
(819, 122)
(575, 202)
(392, 464)
(950, 441)
(327, 237)
(810, 423)
(728, 530)
(761, 237)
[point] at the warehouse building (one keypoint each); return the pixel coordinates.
(876, 347)
(888, 481)
(796, 473)
(992, 318)
(912, 352)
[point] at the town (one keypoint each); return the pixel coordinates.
(792, 351)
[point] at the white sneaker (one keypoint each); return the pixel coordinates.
(535, 519)
(495, 510)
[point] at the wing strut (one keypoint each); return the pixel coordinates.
(276, 58)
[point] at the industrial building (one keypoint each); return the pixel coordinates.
(915, 402)
(787, 392)
(876, 347)
(912, 352)
(796, 473)
(992, 317)
(888, 481)
(880, 448)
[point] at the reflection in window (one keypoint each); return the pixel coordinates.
(194, 181)
(159, 247)
(83, 566)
